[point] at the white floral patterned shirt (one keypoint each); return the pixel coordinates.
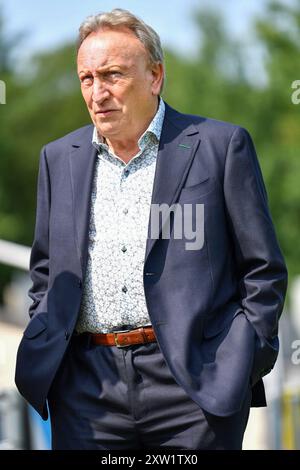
(113, 291)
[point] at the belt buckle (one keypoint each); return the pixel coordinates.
(117, 343)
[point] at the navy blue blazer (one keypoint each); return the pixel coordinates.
(215, 310)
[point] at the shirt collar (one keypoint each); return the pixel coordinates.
(154, 128)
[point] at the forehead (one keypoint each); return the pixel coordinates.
(108, 47)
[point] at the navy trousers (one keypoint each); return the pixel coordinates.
(110, 398)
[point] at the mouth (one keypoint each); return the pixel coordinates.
(105, 112)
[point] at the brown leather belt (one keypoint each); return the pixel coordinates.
(138, 336)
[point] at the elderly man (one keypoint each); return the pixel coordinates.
(139, 338)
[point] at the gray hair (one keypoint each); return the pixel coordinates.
(119, 18)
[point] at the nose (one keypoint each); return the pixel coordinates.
(100, 92)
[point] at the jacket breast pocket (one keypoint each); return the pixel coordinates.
(198, 190)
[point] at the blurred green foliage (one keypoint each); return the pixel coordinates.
(44, 103)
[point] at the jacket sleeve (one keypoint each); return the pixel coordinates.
(261, 269)
(39, 259)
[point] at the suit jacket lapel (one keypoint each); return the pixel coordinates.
(178, 144)
(82, 159)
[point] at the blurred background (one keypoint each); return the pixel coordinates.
(237, 61)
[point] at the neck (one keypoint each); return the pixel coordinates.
(124, 149)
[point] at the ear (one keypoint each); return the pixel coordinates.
(157, 70)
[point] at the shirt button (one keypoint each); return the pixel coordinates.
(124, 248)
(126, 173)
(125, 210)
(124, 289)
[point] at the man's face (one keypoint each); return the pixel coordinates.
(118, 84)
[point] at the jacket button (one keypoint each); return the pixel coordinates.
(80, 284)
(67, 335)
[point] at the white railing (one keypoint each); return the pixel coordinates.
(13, 435)
(14, 254)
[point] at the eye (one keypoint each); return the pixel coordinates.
(113, 74)
(86, 80)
